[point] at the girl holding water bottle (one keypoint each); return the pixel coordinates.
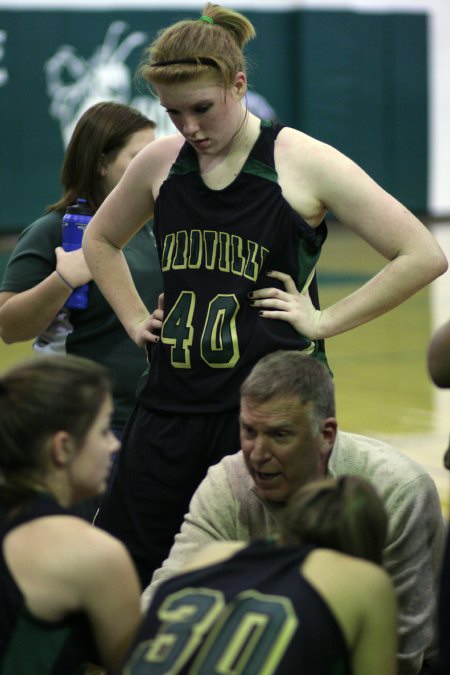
(40, 276)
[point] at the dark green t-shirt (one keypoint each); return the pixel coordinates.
(95, 332)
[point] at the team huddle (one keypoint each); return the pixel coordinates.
(172, 463)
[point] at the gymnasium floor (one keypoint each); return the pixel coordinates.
(382, 386)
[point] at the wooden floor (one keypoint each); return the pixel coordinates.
(382, 385)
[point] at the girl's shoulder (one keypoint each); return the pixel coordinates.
(163, 149)
(358, 593)
(57, 543)
(66, 552)
(338, 575)
(300, 146)
(152, 164)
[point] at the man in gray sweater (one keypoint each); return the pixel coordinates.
(289, 436)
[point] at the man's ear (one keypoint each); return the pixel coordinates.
(240, 85)
(62, 448)
(328, 434)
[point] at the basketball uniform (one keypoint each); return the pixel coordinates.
(215, 248)
(29, 645)
(253, 614)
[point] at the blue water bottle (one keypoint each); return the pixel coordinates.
(74, 222)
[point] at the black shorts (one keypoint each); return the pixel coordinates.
(163, 459)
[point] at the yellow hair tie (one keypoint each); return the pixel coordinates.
(206, 19)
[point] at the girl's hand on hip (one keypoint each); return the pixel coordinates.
(149, 330)
(288, 305)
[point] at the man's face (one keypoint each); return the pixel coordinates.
(281, 450)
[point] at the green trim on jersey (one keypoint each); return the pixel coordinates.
(35, 646)
(256, 168)
(252, 166)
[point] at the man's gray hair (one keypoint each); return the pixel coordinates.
(292, 374)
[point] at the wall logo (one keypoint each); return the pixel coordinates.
(75, 83)
(3, 72)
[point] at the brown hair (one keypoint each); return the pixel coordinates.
(191, 48)
(38, 398)
(345, 514)
(99, 135)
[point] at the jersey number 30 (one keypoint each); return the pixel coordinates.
(247, 637)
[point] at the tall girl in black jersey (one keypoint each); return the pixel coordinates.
(302, 606)
(239, 207)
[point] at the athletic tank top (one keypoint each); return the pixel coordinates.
(216, 247)
(28, 645)
(253, 614)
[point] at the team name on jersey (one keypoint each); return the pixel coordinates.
(213, 250)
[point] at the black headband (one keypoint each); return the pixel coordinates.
(202, 60)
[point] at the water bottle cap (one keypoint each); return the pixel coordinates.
(81, 207)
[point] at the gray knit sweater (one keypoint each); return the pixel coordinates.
(225, 507)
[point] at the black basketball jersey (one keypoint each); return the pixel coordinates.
(253, 614)
(28, 645)
(216, 247)
(444, 612)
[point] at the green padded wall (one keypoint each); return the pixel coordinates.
(355, 80)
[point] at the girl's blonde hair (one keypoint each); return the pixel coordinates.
(191, 48)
